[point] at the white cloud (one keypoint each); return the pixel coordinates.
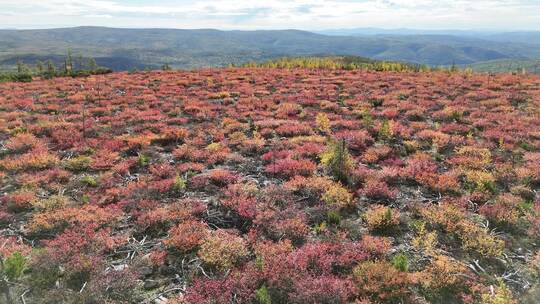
(98, 16)
(305, 14)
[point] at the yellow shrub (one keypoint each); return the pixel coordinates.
(425, 241)
(214, 147)
(78, 164)
(386, 130)
(473, 157)
(337, 195)
(452, 219)
(323, 123)
(501, 295)
(322, 187)
(237, 138)
(307, 138)
(380, 217)
(52, 203)
(482, 180)
(411, 146)
(444, 272)
(223, 250)
(479, 240)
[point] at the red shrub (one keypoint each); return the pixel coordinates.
(294, 129)
(244, 204)
(291, 167)
(273, 155)
(19, 201)
(162, 170)
(356, 140)
(11, 245)
(66, 138)
(104, 160)
(222, 177)
(505, 209)
(377, 190)
(239, 286)
(187, 235)
(534, 218)
(327, 289)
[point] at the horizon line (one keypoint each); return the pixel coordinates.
(478, 30)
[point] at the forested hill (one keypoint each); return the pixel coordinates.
(124, 49)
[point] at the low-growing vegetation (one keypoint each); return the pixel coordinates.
(263, 185)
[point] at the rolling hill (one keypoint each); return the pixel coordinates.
(124, 49)
(505, 65)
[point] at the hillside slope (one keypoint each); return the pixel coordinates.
(255, 185)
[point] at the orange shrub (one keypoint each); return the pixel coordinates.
(315, 185)
(33, 160)
(380, 281)
(376, 246)
(19, 200)
(187, 235)
(171, 135)
(57, 220)
(376, 153)
(22, 142)
(285, 110)
(445, 273)
(534, 219)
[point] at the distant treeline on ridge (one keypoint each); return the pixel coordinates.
(71, 67)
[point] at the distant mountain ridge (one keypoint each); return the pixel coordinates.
(124, 49)
(530, 37)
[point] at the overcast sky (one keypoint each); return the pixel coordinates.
(280, 14)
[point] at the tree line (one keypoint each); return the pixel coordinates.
(70, 67)
(348, 63)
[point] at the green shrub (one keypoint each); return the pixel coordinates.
(320, 228)
(78, 164)
(401, 262)
(333, 218)
(386, 130)
(143, 160)
(89, 181)
(85, 199)
(179, 184)
(338, 160)
(376, 102)
(262, 296)
(13, 266)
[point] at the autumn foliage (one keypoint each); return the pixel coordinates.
(261, 185)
